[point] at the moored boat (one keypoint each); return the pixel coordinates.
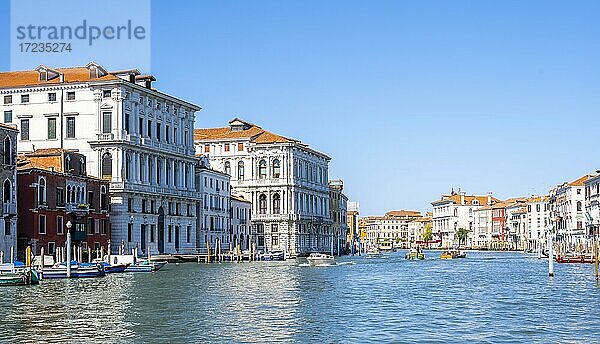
(77, 271)
(25, 277)
(145, 266)
(414, 254)
(575, 259)
(320, 259)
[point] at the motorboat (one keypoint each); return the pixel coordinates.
(453, 254)
(111, 268)
(59, 270)
(12, 267)
(575, 258)
(414, 254)
(320, 259)
(145, 266)
(374, 252)
(24, 277)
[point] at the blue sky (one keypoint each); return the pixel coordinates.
(408, 98)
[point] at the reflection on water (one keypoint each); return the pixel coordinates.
(489, 296)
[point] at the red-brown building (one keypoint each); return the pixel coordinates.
(54, 190)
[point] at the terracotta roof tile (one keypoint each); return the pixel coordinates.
(254, 133)
(32, 77)
(403, 213)
(580, 181)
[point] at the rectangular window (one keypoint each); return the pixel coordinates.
(52, 97)
(226, 147)
(127, 122)
(141, 126)
(51, 247)
(7, 227)
(90, 199)
(51, 128)
(70, 127)
(168, 134)
(90, 226)
(152, 228)
(158, 127)
(274, 241)
(104, 227)
(206, 148)
(130, 205)
(24, 130)
(60, 197)
(60, 225)
(149, 129)
(129, 230)
(106, 122)
(70, 95)
(42, 224)
(170, 233)
(96, 226)
(189, 233)
(7, 99)
(25, 98)
(7, 116)
(274, 228)
(240, 147)
(106, 93)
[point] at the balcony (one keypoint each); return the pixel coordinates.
(9, 209)
(77, 208)
(106, 137)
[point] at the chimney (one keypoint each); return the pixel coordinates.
(61, 78)
(132, 78)
(462, 197)
(148, 83)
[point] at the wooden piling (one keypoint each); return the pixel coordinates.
(42, 256)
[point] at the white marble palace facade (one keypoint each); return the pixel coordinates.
(135, 136)
(286, 181)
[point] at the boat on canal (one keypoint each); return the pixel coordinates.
(414, 254)
(12, 267)
(145, 266)
(575, 259)
(320, 259)
(374, 252)
(25, 277)
(453, 254)
(59, 270)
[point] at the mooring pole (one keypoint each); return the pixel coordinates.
(550, 257)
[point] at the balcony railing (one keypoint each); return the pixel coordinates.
(106, 137)
(77, 208)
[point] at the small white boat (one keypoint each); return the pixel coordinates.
(374, 252)
(320, 259)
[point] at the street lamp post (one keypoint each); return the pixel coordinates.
(69, 225)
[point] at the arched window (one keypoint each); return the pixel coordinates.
(276, 168)
(103, 198)
(7, 197)
(42, 191)
(455, 211)
(81, 166)
(262, 204)
(68, 194)
(227, 167)
(276, 203)
(262, 169)
(106, 166)
(241, 170)
(67, 163)
(8, 153)
(578, 205)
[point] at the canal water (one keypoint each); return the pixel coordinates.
(487, 297)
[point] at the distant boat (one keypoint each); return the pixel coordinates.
(320, 259)
(414, 254)
(453, 254)
(374, 252)
(386, 246)
(12, 267)
(274, 255)
(581, 259)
